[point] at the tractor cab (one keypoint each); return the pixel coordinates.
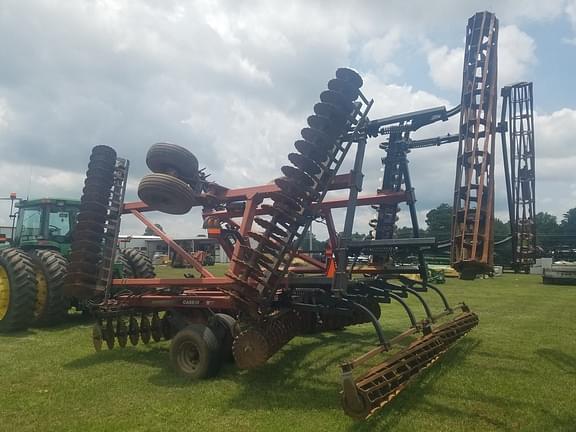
(46, 224)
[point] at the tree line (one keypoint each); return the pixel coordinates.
(549, 232)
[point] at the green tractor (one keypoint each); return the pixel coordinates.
(33, 265)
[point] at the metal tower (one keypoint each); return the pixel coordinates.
(473, 210)
(518, 102)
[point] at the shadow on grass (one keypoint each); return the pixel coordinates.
(301, 376)
(304, 375)
(156, 355)
(415, 394)
(18, 334)
(414, 397)
(293, 378)
(561, 360)
(72, 320)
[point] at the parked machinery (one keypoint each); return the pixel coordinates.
(35, 264)
(517, 121)
(262, 302)
(473, 210)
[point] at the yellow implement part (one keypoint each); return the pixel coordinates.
(4, 293)
(42, 293)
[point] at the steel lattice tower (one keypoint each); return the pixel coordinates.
(518, 102)
(473, 211)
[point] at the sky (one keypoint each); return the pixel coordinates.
(235, 81)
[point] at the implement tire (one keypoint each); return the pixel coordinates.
(195, 352)
(17, 290)
(51, 304)
(174, 160)
(140, 263)
(166, 194)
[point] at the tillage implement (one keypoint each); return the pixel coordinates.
(264, 300)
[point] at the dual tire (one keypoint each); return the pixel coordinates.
(135, 264)
(197, 351)
(175, 182)
(18, 289)
(31, 289)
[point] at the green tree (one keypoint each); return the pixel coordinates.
(568, 227)
(547, 230)
(149, 232)
(501, 229)
(408, 232)
(312, 244)
(358, 236)
(439, 222)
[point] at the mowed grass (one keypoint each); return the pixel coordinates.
(515, 372)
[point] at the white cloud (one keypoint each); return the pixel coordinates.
(446, 67)
(233, 81)
(4, 113)
(516, 53)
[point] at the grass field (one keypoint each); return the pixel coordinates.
(515, 372)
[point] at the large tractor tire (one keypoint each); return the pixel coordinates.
(140, 263)
(125, 270)
(17, 290)
(51, 305)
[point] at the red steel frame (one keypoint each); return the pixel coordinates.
(205, 292)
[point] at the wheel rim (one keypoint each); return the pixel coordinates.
(189, 357)
(4, 293)
(42, 293)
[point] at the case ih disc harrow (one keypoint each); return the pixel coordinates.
(263, 302)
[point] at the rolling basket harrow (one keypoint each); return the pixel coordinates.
(263, 301)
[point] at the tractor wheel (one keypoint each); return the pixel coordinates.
(195, 352)
(139, 262)
(124, 270)
(172, 159)
(166, 193)
(17, 290)
(51, 304)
